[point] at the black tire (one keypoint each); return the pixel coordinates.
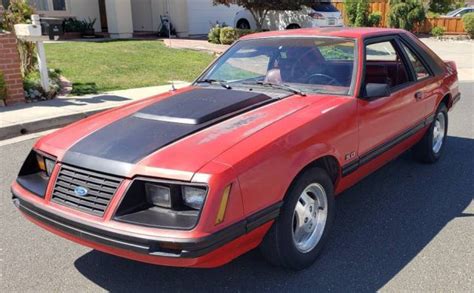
(243, 24)
(278, 246)
(424, 150)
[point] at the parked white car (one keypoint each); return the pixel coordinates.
(319, 15)
(459, 12)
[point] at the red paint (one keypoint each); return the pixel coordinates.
(259, 152)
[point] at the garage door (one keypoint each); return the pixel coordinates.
(202, 14)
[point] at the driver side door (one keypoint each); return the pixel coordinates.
(385, 121)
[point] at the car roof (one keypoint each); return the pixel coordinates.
(327, 32)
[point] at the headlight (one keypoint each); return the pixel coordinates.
(36, 171)
(158, 195)
(162, 204)
(193, 197)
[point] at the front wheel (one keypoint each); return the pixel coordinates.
(431, 146)
(300, 232)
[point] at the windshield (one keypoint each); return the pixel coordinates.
(322, 65)
(454, 12)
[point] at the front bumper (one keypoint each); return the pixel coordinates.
(210, 251)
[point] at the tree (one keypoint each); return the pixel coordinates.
(362, 13)
(443, 6)
(406, 14)
(260, 8)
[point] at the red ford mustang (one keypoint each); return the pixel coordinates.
(252, 154)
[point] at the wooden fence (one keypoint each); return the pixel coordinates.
(452, 25)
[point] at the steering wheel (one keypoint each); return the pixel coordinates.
(321, 78)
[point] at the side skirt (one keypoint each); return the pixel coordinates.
(376, 152)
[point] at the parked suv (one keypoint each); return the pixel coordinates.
(319, 15)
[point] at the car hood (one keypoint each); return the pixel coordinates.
(171, 135)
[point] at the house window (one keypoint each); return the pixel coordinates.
(41, 5)
(59, 4)
(49, 5)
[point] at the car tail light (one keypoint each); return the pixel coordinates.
(316, 15)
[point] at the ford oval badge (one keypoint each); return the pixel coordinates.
(80, 191)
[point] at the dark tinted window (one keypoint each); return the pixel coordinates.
(325, 7)
(59, 4)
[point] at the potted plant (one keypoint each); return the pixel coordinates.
(88, 30)
(73, 28)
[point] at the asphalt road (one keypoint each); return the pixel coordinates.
(406, 227)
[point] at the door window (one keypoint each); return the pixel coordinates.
(384, 65)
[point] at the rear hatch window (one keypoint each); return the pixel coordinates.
(325, 7)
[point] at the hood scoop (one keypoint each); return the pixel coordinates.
(200, 106)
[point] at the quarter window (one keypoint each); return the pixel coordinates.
(420, 70)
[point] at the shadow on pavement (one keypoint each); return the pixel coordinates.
(382, 224)
(66, 101)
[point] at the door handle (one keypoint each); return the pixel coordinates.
(418, 96)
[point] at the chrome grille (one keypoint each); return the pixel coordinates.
(100, 189)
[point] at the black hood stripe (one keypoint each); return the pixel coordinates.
(116, 147)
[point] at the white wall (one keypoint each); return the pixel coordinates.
(202, 15)
(84, 9)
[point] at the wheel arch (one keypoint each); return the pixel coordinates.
(447, 100)
(293, 25)
(328, 162)
(241, 20)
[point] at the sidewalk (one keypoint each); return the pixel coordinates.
(28, 118)
(200, 45)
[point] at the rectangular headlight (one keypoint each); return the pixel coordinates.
(193, 197)
(158, 195)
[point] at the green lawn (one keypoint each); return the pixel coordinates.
(125, 64)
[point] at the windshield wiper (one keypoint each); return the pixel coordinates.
(281, 86)
(222, 83)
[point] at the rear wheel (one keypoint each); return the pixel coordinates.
(243, 24)
(300, 232)
(431, 146)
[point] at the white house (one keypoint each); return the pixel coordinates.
(121, 18)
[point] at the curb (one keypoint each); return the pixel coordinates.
(16, 130)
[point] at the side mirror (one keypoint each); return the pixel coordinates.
(376, 90)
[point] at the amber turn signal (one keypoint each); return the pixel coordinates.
(223, 205)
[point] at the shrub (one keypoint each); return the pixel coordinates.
(362, 13)
(19, 11)
(214, 35)
(406, 14)
(375, 18)
(228, 35)
(72, 25)
(438, 31)
(33, 89)
(350, 8)
(3, 87)
(468, 20)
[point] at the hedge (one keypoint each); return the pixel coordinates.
(468, 20)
